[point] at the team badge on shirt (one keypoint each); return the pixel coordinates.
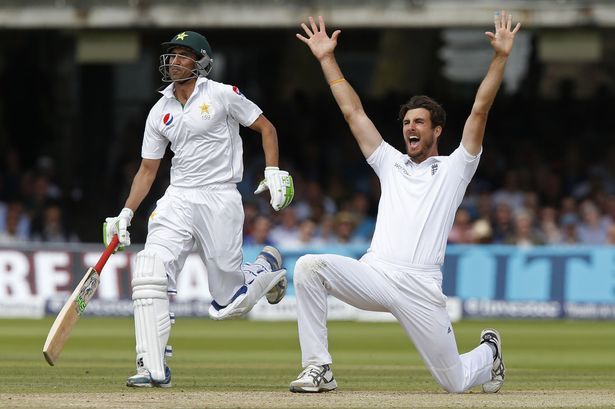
(167, 119)
(434, 169)
(205, 111)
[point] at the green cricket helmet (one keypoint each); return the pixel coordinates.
(193, 41)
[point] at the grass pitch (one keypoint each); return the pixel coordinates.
(250, 364)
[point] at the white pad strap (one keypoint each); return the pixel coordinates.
(151, 311)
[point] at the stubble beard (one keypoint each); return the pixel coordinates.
(423, 153)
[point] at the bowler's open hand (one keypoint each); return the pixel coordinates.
(317, 39)
(503, 38)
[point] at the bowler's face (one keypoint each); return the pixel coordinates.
(419, 136)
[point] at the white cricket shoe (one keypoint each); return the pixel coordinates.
(268, 278)
(143, 379)
(498, 371)
(313, 379)
(272, 257)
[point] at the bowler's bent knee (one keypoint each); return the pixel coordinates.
(455, 388)
(306, 268)
(448, 382)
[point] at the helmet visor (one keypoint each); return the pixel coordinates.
(177, 67)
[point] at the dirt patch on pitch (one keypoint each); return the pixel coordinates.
(338, 399)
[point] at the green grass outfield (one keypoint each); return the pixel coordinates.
(246, 356)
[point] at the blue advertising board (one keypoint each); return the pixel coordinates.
(511, 281)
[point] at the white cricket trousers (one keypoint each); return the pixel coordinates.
(413, 295)
(210, 217)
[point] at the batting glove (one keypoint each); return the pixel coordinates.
(118, 225)
(280, 185)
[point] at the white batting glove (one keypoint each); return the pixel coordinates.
(118, 225)
(280, 185)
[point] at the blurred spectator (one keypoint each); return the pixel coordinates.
(484, 206)
(344, 225)
(251, 212)
(259, 235)
(288, 229)
(461, 233)
(531, 203)
(359, 206)
(45, 166)
(592, 229)
(482, 232)
(502, 224)
(23, 225)
(609, 208)
(11, 234)
(569, 229)
(50, 228)
(568, 206)
(610, 235)
(525, 234)
(550, 231)
(548, 186)
(314, 200)
(307, 237)
(37, 195)
(510, 193)
(325, 229)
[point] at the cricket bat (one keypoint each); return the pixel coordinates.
(75, 306)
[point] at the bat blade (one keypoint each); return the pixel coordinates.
(69, 315)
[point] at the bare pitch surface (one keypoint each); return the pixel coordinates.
(249, 364)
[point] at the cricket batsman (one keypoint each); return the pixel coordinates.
(202, 208)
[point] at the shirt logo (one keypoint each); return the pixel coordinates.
(205, 114)
(236, 91)
(401, 169)
(167, 119)
(434, 169)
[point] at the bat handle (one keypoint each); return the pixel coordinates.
(107, 253)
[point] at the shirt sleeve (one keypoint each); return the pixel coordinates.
(382, 158)
(154, 143)
(239, 107)
(464, 163)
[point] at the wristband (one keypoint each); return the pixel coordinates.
(337, 81)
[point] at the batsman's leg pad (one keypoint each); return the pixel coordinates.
(151, 312)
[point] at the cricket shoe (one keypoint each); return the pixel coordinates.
(314, 379)
(272, 257)
(498, 370)
(261, 282)
(143, 379)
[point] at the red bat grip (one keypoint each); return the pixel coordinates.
(107, 253)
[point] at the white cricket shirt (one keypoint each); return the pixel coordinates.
(204, 134)
(417, 204)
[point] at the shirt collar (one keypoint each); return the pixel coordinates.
(168, 90)
(426, 162)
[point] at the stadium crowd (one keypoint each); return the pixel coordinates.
(543, 179)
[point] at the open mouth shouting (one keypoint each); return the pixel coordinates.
(413, 142)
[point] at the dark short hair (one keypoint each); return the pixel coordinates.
(438, 115)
